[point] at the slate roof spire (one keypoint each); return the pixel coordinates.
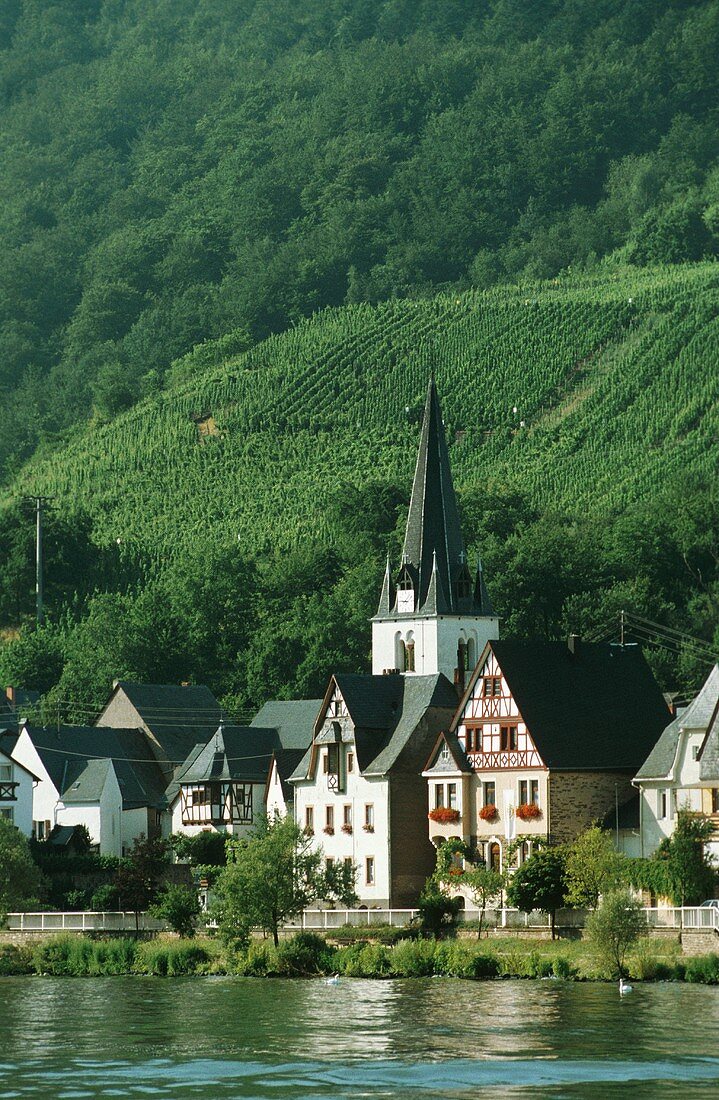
(434, 555)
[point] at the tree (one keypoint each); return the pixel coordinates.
(615, 926)
(272, 876)
(178, 905)
(20, 878)
(483, 884)
(480, 881)
(594, 866)
(139, 875)
(540, 883)
(689, 876)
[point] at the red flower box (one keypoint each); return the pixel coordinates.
(346, 828)
(329, 830)
(528, 811)
(488, 813)
(443, 815)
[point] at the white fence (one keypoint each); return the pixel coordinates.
(83, 922)
(691, 917)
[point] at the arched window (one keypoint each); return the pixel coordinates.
(494, 857)
(471, 651)
(405, 591)
(409, 652)
(400, 653)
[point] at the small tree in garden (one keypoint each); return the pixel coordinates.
(481, 882)
(272, 876)
(540, 883)
(689, 876)
(594, 866)
(179, 906)
(614, 927)
(139, 875)
(20, 878)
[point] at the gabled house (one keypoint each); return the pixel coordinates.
(173, 717)
(105, 779)
(358, 788)
(545, 741)
(16, 786)
(294, 720)
(680, 772)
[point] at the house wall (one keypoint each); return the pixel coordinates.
(435, 641)
(103, 818)
(677, 790)
(135, 824)
(45, 795)
(232, 829)
(275, 799)
(21, 803)
(577, 799)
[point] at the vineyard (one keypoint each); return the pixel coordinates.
(586, 392)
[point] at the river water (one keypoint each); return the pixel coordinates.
(71, 1038)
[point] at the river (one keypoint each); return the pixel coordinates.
(217, 1038)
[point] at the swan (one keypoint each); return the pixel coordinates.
(334, 980)
(624, 986)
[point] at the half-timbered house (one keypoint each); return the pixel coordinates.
(544, 742)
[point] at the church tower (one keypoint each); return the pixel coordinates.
(435, 616)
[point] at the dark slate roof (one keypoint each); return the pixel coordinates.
(696, 716)
(8, 717)
(179, 717)
(287, 760)
(294, 720)
(233, 752)
(457, 755)
(88, 785)
(67, 751)
(628, 814)
(600, 709)
(709, 755)
(385, 711)
(433, 544)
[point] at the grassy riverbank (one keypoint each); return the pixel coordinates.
(307, 955)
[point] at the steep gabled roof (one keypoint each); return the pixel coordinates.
(8, 717)
(454, 751)
(87, 785)
(241, 753)
(709, 753)
(294, 720)
(385, 711)
(66, 752)
(697, 716)
(178, 716)
(597, 709)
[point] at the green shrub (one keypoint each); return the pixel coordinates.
(260, 960)
(562, 968)
(15, 959)
(364, 960)
(104, 898)
(413, 958)
(463, 960)
(305, 954)
(163, 958)
(703, 969)
(115, 956)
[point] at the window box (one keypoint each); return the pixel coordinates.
(443, 815)
(368, 828)
(528, 811)
(330, 830)
(488, 813)
(346, 828)
(308, 830)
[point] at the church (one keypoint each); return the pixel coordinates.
(359, 788)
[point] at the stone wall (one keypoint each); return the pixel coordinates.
(577, 799)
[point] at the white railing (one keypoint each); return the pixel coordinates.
(692, 917)
(323, 919)
(83, 922)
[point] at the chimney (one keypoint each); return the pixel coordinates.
(574, 644)
(10, 692)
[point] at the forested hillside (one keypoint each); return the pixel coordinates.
(233, 528)
(173, 170)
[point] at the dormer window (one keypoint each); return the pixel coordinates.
(463, 584)
(405, 592)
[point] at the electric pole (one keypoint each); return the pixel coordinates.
(39, 503)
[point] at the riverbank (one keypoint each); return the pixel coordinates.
(309, 955)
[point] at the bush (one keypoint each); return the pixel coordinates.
(162, 958)
(115, 956)
(437, 910)
(15, 960)
(562, 968)
(179, 906)
(460, 960)
(260, 960)
(104, 899)
(63, 956)
(376, 933)
(364, 960)
(413, 958)
(305, 954)
(703, 969)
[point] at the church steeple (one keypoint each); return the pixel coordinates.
(436, 606)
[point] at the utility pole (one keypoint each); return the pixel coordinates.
(39, 503)
(621, 629)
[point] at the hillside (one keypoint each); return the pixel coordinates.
(172, 170)
(233, 527)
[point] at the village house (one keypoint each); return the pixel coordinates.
(682, 770)
(544, 743)
(107, 780)
(359, 790)
(16, 786)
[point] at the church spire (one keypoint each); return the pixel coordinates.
(433, 539)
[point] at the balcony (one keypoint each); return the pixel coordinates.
(8, 791)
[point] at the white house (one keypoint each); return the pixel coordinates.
(678, 773)
(16, 787)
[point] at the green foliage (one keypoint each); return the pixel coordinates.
(540, 883)
(304, 955)
(413, 958)
(179, 906)
(273, 875)
(364, 960)
(15, 959)
(139, 875)
(21, 880)
(704, 969)
(436, 909)
(104, 898)
(679, 869)
(205, 849)
(593, 867)
(459, 959)
(164, 958)
(614, 927)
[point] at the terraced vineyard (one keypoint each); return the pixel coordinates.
(586, 392)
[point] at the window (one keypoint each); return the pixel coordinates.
(348, 861)
(329, 818)
(472, 740)
(492, 686)
(462, 656)
(522, 853)
(695, 752)
(508, 738)
(329, 863)
(326, 761)
(534, 792)
(309, 819)
(369, 817)
(490, 794)
(7, 813)
(5, 773)
(347, 815)
(409, 657)
(494, 858)
(350, 762)
(715, 800)
(369, 871)
(661, 805)
(523, 796)
(439, 796)
(38, 830)
(452, 796)
(336, 708)
(198, 797)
